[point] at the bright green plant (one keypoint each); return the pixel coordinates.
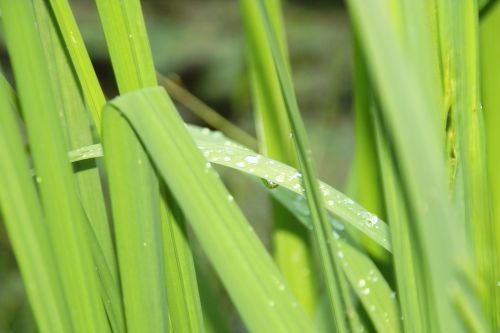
(122, 260)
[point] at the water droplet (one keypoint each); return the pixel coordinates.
(240, 164)
(230, 198)
(38, 179)
(341, 254)
(208, 165)
(251, 159)
(372, 219)
(498, 283)
(281, 287)
(330, 203)
(145, 244)
(361, 283)
(227, 158)
(393, 294)
(280, 178)
(271, 303)
(139, 162)
(365, 291)
(269, 183)
(372, 308)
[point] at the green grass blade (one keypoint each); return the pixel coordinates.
(219, 150)
(334, 281)
(134, 191)
(291, 248)
(365, 278)
(128, 43)
(133, 65)
(74, 44)
(23, 217)
(459, 48)
(64, 215)
(245, 268)
(406, 122)
(182, 292)
(490, 74)
(75, 120)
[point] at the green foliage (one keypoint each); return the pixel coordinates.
(106, 202)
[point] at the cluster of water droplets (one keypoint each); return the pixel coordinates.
(218, 149)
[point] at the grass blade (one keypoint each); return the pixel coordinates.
(291, 248)
(23, 217)
(245, 268)
(64, 215)
(219, 150)
(73, 41)
(490, 74)
(182, 292)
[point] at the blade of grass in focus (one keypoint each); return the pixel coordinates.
(291, 248)
(137, 218)
(219, 150)
(82, 65)
(334, 280)
(66, 221)
(241, 261)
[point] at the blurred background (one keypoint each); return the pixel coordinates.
(199, 45)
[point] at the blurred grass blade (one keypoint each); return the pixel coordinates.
(23, 217)
(291, 248)
(64, 215)
(365, 184)
(403, 105)
(246, 270)
(459, 49)
(490, 74)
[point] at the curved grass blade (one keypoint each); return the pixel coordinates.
(366, 280)
(241, 261)
(220, 150)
